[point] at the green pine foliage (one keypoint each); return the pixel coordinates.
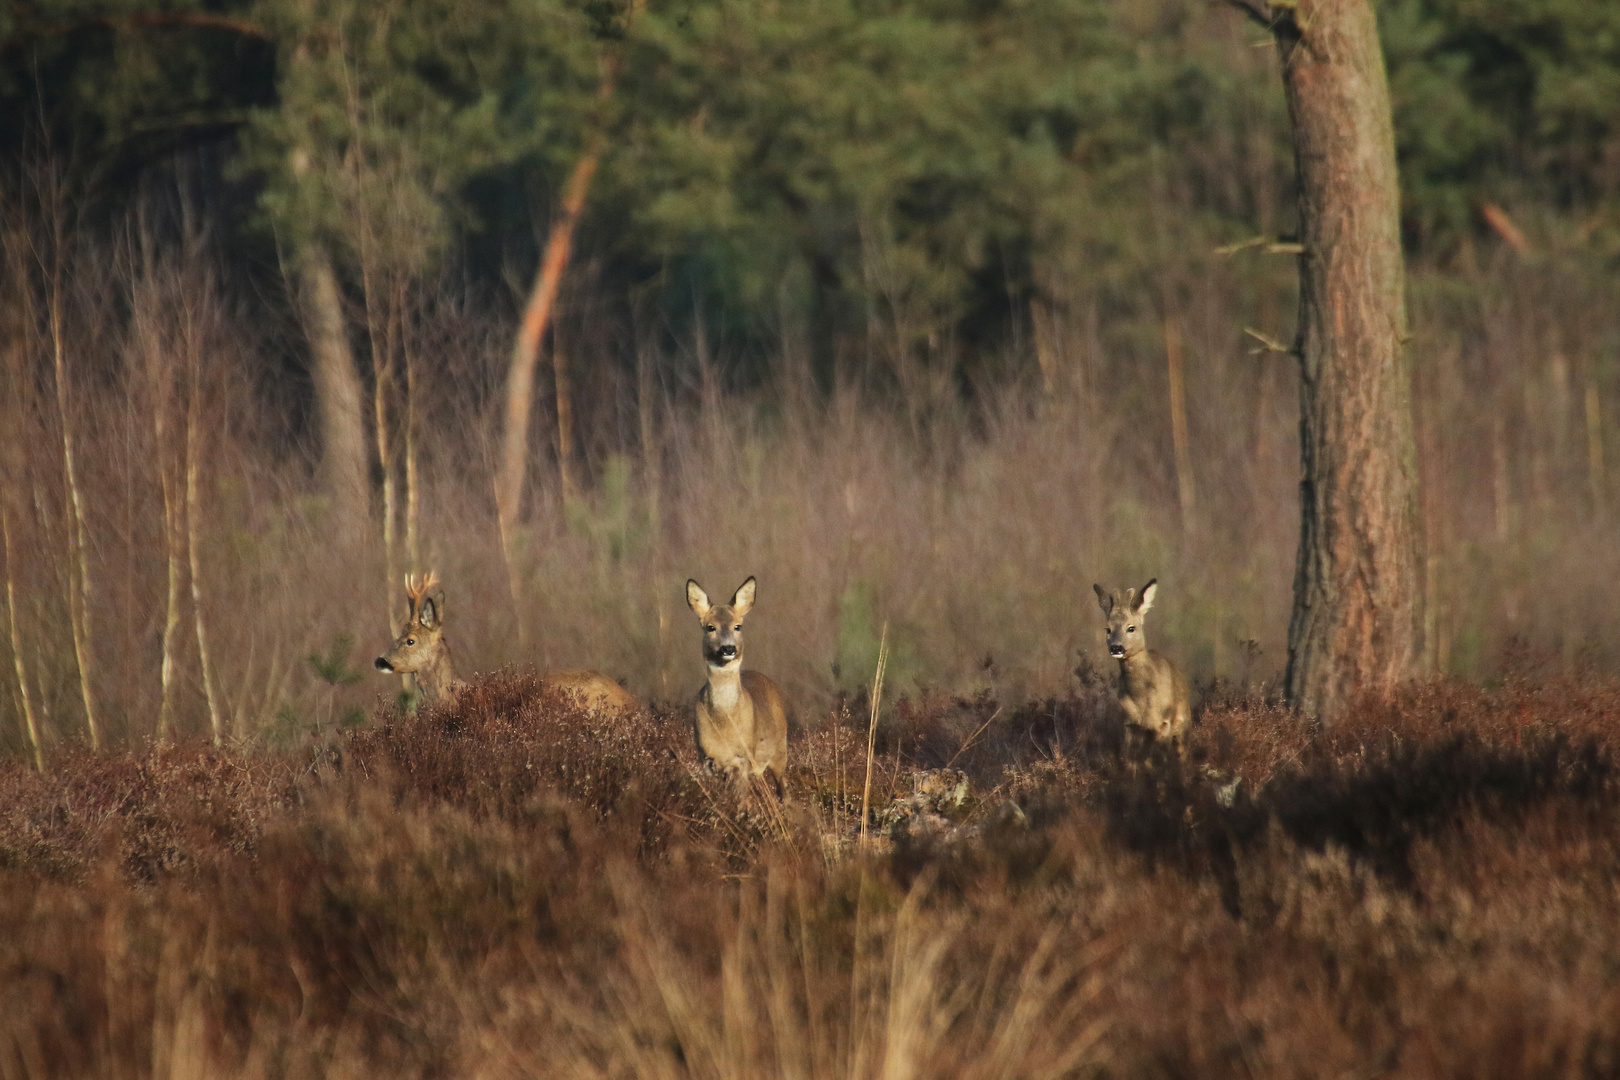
(900, 167)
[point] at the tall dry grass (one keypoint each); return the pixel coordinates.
(973, 524)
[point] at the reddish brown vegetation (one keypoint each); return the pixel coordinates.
(509, 887)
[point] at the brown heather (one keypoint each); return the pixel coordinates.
(509, 887)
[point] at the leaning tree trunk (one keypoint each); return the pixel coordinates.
(1357, 587)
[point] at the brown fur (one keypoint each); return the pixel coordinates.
(1153, 692)
(421, 650)
(740, 716)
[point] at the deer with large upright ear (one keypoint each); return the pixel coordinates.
(741, 716)
(421, 650)
(1151, 689)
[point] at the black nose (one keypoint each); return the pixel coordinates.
(383, 664)
(728, 651)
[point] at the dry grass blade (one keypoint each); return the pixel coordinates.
(871, 726)
(970, 739)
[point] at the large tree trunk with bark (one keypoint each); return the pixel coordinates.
(1358, 591)
(339, 397)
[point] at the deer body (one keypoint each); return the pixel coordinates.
(422, 650)
(593, 690)
(1152, 691)
(740, 716)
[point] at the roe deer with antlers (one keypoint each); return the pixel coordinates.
(421, 650)
(741, 721)
(1153, 693)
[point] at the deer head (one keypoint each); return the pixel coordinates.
(1126, 638)
(421, 645)
(722, 623)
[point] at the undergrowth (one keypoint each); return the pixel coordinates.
(510, 887)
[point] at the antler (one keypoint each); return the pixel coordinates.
(418, 586)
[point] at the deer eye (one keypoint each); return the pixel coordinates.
(1130, 629)
(410, 641)
(708, 628)
(737, 627)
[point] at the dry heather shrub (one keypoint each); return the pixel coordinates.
(168, 809)
(508, 741)
(509, 888)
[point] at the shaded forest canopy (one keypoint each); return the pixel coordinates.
(823, 167)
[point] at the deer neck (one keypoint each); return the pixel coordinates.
(1135, 670)
(438, 679)
(725, 689)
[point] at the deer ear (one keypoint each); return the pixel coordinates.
(743, 598)
(428, 611)
(697, 599)
(1148, 592)
(1104, 601)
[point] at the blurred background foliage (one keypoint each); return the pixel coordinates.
(889, 302)
(903, 165)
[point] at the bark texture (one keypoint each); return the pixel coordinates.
(1358, 590)
(339, 397)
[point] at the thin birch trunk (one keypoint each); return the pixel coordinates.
(382, 371)
(1262, 397)
(19, 666)
(1594, 449)
(382, 342)
(173, 541)
(80, 593)
(413, 554)
(652, 481)
(565, 422)
(149, 318)
(1430, 468)
(18, 318)
(1178, 425)
(651, 470)
(1501, 491)
(194, 546)
(1043, 327)
(413, 503)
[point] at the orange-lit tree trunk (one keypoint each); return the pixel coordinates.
(1358, 591)
(513, 466)
(536, 317)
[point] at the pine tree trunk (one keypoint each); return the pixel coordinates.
(1358, 591)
